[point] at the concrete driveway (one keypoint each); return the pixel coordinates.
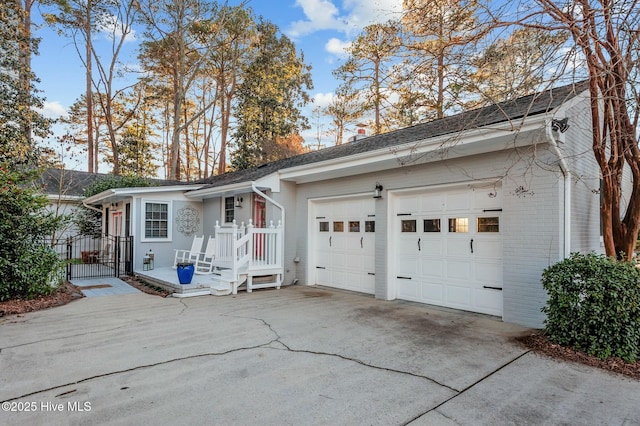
(299, 356)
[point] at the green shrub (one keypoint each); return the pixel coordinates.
(36, 272)
(594, 305)
(27, 267)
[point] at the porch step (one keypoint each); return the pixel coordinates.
(226, 283)
(221, 288)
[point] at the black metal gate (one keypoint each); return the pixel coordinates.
(88, 257)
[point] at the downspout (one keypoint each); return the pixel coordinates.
(567, 190)
(91, 207)
(278, 205)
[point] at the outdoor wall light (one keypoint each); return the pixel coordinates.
(560, 125)
(239, 202)
(377, 193)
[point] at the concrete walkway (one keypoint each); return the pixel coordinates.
(105, 286)
(298, 356)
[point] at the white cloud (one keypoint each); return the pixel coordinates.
(320, 14)
(53, 110)
(113, 28)
(322, 99)
(354, 15)
(337, 47)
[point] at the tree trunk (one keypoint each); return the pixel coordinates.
(91, 160)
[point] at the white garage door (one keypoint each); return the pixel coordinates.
(344, 244)
(449, 249)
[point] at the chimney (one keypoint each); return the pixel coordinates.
(362, 133)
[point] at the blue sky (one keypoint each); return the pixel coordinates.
(320, 29)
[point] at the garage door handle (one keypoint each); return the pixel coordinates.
(472, 245)
(361, 242)
(330, 241)
(492, 288)
(403, 278)
(320, 267)
(419, 244)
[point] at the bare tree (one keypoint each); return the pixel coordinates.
(607, 34)
(368, 70)
(178, 48)
(439, 38)
(344, 110)
(81, 20)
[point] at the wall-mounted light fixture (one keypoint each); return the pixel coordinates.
(239, 202)
(377, 193)
(560, 125)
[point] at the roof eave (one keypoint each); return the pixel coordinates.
(387, 155)
(122, 192)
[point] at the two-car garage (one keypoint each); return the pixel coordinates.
(444, 246)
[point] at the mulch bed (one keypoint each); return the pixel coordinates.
(539, 343)
(65, 294)
(145, 287)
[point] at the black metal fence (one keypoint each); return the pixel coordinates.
(88, 257)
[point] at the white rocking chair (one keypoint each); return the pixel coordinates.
(204, 263)
(190, 255)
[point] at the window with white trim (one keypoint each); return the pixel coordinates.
(157, 220)
(229, 210)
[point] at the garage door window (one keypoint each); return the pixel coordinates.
(354, 226)
(338, 226)
(431, 225)
(324, 227)
(458, 224)
(488, 224)
(408, 226)
(370, 226)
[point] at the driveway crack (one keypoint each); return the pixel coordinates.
(185, 306)
(137, 368)
(71, 336)
(344, 357)
(467, 388)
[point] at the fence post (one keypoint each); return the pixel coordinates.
(130, 255)
(117, 256)
(69, 250)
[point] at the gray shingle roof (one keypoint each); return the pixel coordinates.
(73, 182)
(538, 103)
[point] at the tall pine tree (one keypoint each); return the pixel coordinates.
(269, 99)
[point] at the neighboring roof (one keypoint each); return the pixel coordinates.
(527, 106)
(71, 183)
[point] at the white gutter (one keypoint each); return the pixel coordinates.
(140, 190)
(278, 205)
(219, 190)
(91, 207)
(567, 190)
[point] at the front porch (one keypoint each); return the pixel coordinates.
(244, 257)
(167, 278)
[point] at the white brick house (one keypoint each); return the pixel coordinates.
(468, 211)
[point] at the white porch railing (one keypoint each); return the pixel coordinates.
(241, 248)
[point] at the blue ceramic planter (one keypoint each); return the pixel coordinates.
(185, 272)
